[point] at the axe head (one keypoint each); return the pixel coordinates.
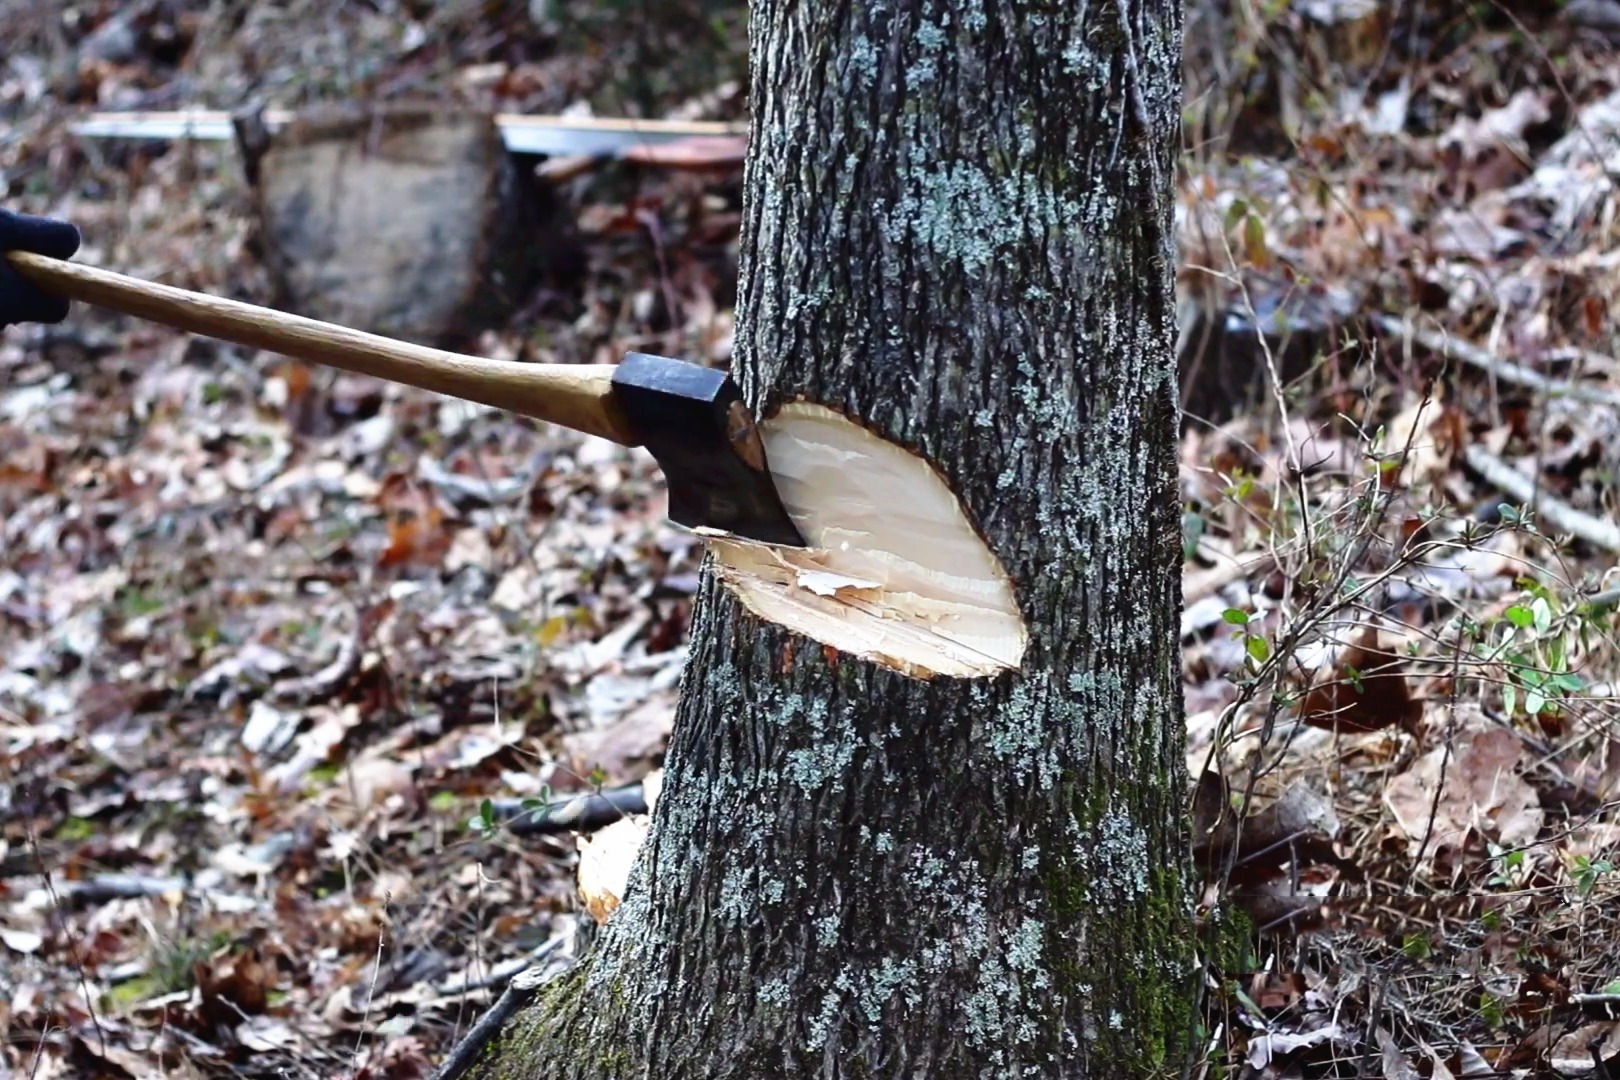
(694, 422)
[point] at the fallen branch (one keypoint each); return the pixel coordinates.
(519, 992)
(1604, 598)
(580, 813)
(108, 887)
(1562, 516)
(1598, 1006)
(325, 683)
(541, 957)
(1506, 370)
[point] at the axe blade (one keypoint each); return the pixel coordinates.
(694, 422)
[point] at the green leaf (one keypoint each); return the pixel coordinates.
(1258, 648)
(1193, 527)
(1236, 616)
(1254, 239)
(75, 828)
(1520, 616)
(484, 821)
(1510, 699)
(1587, 871)
(1542, 612)
(1533, 702)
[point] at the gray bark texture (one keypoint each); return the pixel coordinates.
(958, 232)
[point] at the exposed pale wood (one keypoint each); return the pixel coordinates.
(607, 856)
(575, 396)
(698, 153)
(895, 572)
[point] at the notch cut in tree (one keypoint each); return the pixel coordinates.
(857, 543)
(894, 573)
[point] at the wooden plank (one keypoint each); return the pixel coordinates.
(549, 135)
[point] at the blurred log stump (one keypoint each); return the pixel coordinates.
(406, 221)
(1224, 341)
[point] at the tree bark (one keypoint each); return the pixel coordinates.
(958, 232)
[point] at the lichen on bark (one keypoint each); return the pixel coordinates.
(957, 229)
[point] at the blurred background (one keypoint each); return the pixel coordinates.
(281, 649)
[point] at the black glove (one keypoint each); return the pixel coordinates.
(20, 300)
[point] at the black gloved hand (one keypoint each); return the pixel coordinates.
(20, 300)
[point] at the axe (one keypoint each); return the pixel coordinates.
(691, 418)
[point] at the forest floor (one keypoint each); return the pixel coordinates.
(282, 655)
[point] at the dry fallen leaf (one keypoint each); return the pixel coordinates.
(1368, 690)
(1268, 1047)
(417, 531)
(1574, 1052)
(1483, 793)
(1397, 1066)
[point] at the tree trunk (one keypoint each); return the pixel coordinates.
(959, 233)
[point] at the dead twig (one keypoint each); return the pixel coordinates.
(108, 887)
(1506, 370)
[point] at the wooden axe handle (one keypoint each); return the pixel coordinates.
(577, 396)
